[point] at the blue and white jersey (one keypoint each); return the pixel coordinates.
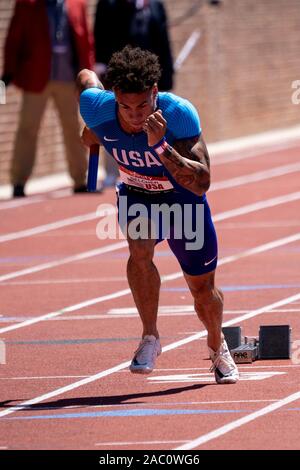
(131, 151)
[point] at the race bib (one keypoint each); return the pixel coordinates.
(145, 183)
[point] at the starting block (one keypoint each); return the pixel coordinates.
(233, 336)
(245, 353)
(273, 342)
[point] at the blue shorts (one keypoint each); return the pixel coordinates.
(190, 233)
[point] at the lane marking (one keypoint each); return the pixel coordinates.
(252, 366)
(69, 259)
(50, 196)
(137, 443)
(260, 140)
(65, 281)
(106, 316)
(241, 288)
(71, 308)
(218, 217)
(256, 206)
(78, 219)
(218, 158)
(264, 224)
(229, 183)
(239, 422)
(187, 49)
(123, 414)
(206, 377)
(255, 177)
(136, 412)
(87, 303)
(45, 377)
(123, 365)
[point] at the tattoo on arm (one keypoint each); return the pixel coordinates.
(87, 79)
(188, 162)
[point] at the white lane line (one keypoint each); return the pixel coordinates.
(45, 377)
(252, 366)
(260, 225)
(229, 183)
(267, 203)
(239, 422)
(229, 259)
(208, 377)
(65, 281)
(187, 49)
(17, 319)
(262, 141)
(71, 308)
(218, 217)
(141, 443)
(223, 159)
(123, 365)
(68, 259)
(260, 249)
(12, 204)
(56, 225)
(24, 202)
(255, 177)
(286, 310)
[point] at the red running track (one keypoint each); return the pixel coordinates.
(66, 385)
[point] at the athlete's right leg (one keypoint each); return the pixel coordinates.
(142, 274)
(144, 282)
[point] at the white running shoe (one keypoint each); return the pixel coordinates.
(224, 367)
(144, 357)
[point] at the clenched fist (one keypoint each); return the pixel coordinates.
(155, 127)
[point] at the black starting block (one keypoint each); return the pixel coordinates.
(233, 336)
(275, 342)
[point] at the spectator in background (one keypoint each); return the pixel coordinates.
(48, 42)
(139, 23)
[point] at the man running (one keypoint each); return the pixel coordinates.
(157, 142)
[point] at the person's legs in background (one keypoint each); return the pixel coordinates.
(32, 109)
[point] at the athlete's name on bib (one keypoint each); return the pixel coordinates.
(148, 183)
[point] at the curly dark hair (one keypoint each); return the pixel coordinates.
(133, 70)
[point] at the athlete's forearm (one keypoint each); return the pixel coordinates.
(87, 79)
(192, 175)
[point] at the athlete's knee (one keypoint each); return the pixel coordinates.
(207, 293)
(141, 251)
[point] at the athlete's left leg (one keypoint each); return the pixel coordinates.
(208, 301)
(198, 266)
